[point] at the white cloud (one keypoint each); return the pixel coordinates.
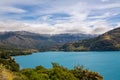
(79, 20)
(104, 0)
(11, 10)
(118, 25)
(108, 6)
(100, 27)
(43, 28)
(24, 2)
(105, 15)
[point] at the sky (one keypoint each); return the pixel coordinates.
(59, 16)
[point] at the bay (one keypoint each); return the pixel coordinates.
(106, 63)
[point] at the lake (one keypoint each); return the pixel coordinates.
(106, 63)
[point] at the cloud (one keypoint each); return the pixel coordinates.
(59, 16)
(108, 6)
(43, 28)
(105, 15)
(100, 26)
(11, 10)
(104, 0)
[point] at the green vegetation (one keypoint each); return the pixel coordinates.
(57, 72)
(9, 63)
(9, 70)
(15, 52)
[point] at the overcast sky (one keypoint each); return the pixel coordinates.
(59, 16)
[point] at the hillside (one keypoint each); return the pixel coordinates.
(23, 40)
(109, 41)
(28, 40)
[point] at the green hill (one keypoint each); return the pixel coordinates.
(109, 41)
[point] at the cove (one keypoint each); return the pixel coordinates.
(105, 63)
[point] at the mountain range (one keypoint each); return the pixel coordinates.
(28, 40)
(109, 41)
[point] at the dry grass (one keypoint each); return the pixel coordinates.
(5, 74)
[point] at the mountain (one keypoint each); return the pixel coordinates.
(65, 38)
(109, 41)
(28, 40)
(22, 39)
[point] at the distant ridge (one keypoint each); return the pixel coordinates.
(109, 41)
(28, 40)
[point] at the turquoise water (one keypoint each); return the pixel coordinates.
(106, 63)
